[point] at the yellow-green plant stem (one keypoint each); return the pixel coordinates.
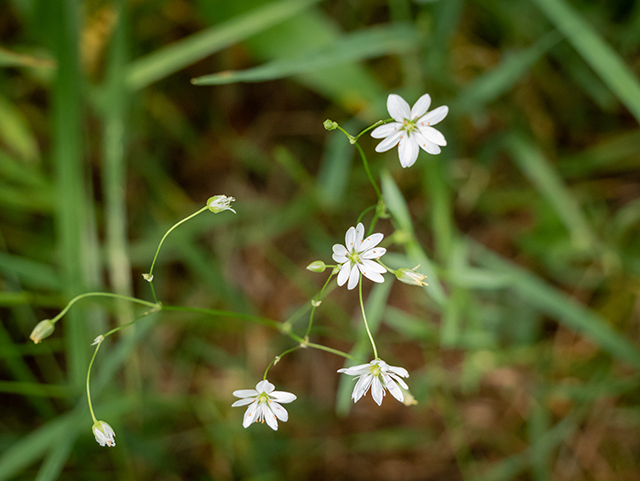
(354, 141)
(169, 232)
(88, 379)
(314, 306)
(364, 317)
(100, 294)
(277, 359)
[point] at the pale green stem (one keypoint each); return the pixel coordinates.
(100, 294)
(364, 317)
(88, 378)
(313, 308)
(169, 231)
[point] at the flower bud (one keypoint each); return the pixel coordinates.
(317, 266)
(104, 434)
(147, 277)
(410, 276)
(218, 203)
(330, 124)
(42, 330)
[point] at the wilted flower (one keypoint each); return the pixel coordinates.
(42, 330)
(378, 376)
(264, 404)
(410, 276)
(357, 257)
(218, 203)
(412, 129)
(104, 434)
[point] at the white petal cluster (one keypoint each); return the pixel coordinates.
(356, 257)
(412, 129)
(218, 203)
(378, 376)
(105, 436)
(263, 404)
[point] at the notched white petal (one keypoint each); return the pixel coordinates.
(386, 130)
(398, 107)
(420, 107)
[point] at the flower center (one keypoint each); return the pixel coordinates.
(409, 126)
(263, 398)
(354, 257)
(375, 370)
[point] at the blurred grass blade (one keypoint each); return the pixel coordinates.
(15, 132)
(561, 307)
(596, 52)
(34, 389)
(369, 43)
(14, 59)
(170, 59)
(398, 208)
(54, 462)
(498, 81)
(335, 167)
(549, 183)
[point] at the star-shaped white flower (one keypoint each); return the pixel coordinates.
(264, 404)
(378, 376)
(105, 436)
(357, 257)
(412, 129)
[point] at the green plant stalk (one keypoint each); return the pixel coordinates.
(93, 416)
(313, 308)
(364, 318)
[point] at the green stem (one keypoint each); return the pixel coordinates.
(313, 308)
(366, 168)
(331, 350)
(277, 359)
(88, 378)
(100, 294)
(364, 317)
(169, 231)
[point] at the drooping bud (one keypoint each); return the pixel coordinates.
(42, 330)
(105, 436)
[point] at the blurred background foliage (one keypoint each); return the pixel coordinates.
(523, 351)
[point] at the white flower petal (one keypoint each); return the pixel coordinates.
(374, 253)
(283, 397)
(408, 152)
(354, 277)
(270, 417)
(435, 116)
(433, 135)
(398, 107)
(361, 387)
(340, 250)
(279, 411)
(350, 238)
(377, 391)
(400, 371)
(250, 414)
(393, 388)
(390, 142)
(372, 276)
(426, 144)
(372, 266)
(398, 380)
(355, 370)
(246, 393)
(359, 237)
(242, 402)
(343, 275)
(420, 107)
(265, 386)
(386, 130)
(371, 241)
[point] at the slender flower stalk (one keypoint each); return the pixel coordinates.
(366, 324)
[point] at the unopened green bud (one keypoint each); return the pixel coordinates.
(42, 330)
(317, 266)
(410, 276)
(218, 203)
(330, 124)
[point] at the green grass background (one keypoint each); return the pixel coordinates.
(523, 351)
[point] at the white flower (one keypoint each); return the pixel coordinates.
(357, 257)
(410, 276)
(411, 129)
(218, 203)
(378, 376)
(264, 405)
(104, 434)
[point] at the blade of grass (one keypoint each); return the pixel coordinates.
(170, 59)
(560, 307)
(549, 183)
(369, 43)
(596, 52)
